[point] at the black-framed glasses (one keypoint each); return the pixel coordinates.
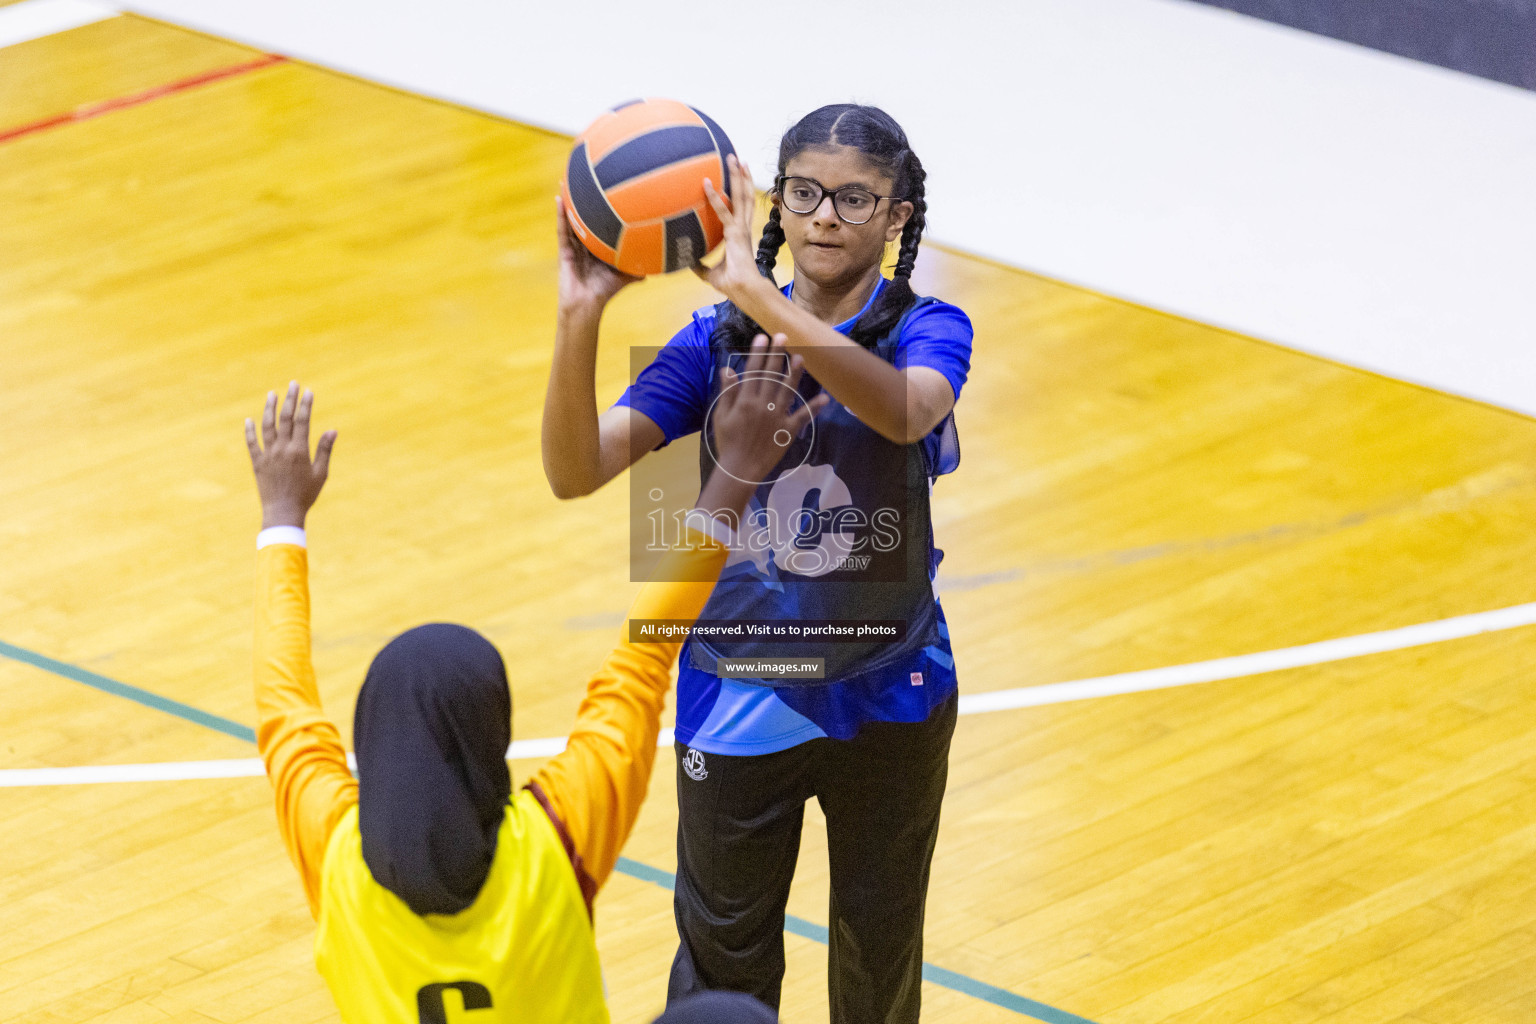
(854, 203)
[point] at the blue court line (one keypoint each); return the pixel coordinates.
(633, 868)
(937, 975)
(133, 693)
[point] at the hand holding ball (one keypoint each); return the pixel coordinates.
(634, 186)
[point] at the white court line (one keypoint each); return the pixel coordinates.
(549, 747)
(236, 768)
(973, 704)
(166, 771)
(1252, 664)
(33, 19)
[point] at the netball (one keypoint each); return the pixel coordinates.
(634, 186)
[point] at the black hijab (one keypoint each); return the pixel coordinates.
(433, 723)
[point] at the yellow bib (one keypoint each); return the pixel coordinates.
(523, 951)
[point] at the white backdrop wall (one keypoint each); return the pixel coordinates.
(1302, 190)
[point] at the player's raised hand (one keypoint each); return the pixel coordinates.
(287, 479)
(585, 280)
(759, 411)
(738, 261)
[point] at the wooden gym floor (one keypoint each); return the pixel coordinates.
(1352, 841)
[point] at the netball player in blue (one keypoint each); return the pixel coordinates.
(870, 741)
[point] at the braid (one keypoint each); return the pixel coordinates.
(898, 295)
(768, 248)
(912, 234)
(735, 329)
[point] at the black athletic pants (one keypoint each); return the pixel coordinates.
(738, 836)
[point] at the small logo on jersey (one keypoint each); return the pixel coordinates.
(917, 679)
(693, 764)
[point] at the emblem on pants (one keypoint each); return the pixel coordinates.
(693, 764)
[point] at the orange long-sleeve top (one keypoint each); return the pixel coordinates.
(593, 789)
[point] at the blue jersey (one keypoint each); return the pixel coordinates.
(733, 717)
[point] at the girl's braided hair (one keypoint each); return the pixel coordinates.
(876, 134)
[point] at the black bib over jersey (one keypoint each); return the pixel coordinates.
(851, 532)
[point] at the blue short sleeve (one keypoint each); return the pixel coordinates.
(674, 389)
(938, 336)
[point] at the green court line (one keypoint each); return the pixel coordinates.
(644, 872)
(937, 975)
(150, 700)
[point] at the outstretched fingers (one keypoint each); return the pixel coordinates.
(718, 203)
(285, 416)
(285, 427)
(250, 440)
(301, 419)
(735, 209)
(269, 421)
(757, 357)
(764, 366)
(796, 368)
(743, 189)
(807, 412)
(322, 466)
